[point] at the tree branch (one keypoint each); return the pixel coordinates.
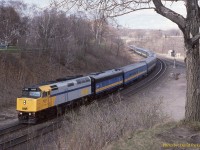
(195, 39)
(169, 14)
(127, 12)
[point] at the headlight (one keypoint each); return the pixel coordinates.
(24, 102)
(29, 114)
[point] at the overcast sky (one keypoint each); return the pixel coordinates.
(143, 19)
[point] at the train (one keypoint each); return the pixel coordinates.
(40, 101)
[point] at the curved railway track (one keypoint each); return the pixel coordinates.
(171, 61)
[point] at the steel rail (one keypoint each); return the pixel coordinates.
(10, 143)
(171, 61)
(15, 126)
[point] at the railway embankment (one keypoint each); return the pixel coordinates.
(173, 132)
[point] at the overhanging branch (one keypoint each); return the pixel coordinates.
(127, 12)
(120, 7)
(169, 14)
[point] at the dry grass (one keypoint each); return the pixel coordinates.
(142, 140)
(96, 126)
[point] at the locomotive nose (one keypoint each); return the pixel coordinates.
(26, 104)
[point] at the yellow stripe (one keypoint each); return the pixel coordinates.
(108, 86)
(134, 76)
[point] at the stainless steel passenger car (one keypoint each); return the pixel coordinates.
(134, 71)
(106, 81)
(150, 59)
(141, 51)
(151, 63)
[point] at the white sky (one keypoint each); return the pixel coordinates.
(143, 19)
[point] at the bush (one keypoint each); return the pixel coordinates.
(95, 126)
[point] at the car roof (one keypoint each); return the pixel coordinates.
(99, 75)
(133, 66)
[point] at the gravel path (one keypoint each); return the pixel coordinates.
(173, 94)
(170, 91)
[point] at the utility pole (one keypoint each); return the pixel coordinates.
(173, 54)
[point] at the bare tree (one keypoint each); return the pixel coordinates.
(99, 24)
(119, 44)
(45, 25)
(13, 21)
(189, 26)
(9, 25)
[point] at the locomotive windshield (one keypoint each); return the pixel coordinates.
(31, 94)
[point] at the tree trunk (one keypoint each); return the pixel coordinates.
(192, 108)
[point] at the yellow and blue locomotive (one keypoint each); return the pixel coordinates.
(40, 101)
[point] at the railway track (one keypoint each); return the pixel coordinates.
(12, 142)
(15, 126)
(54, 125)
(171, 62)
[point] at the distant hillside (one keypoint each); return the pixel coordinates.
(157, 40)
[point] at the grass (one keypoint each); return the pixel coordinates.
(96, 126)
(194, 125)
(142, 140)
(117, 124)
(89, 129)
(174, 135)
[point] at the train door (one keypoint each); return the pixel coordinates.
(66, 95)
(93, 86)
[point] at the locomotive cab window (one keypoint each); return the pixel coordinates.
(31, 94)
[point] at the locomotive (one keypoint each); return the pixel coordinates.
(42, 100)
